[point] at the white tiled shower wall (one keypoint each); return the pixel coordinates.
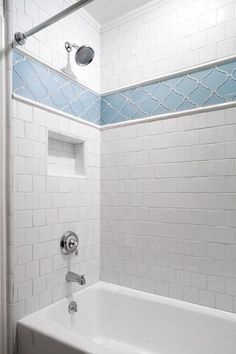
(45, 207)
(168, 197)
(172, 36)
(48, 44)
(150, 212)
(168, 207)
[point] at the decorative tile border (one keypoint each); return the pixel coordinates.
(37, 82)
(200, 88)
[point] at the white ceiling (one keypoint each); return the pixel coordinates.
(104, 11)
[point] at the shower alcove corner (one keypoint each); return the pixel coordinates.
(65, 155)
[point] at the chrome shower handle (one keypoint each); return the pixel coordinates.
(69, 243)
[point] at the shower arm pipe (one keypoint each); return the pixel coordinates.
(21, 37)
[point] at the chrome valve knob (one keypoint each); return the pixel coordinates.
(69, 243)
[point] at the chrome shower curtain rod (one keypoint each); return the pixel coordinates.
(21, 37)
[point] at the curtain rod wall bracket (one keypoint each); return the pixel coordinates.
(20, 37)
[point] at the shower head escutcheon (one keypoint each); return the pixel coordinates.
(84, 54)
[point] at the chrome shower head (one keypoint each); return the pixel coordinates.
(84, 54)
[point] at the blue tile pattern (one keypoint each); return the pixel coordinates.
(202, 88)
(39, 83)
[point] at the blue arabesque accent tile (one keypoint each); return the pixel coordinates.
(18, 82)
(39, 68)
(186, 86)
(160, 91)
(205, 87)
(38, 90)
(198, 88)
(26, 93)
(186, 105)
(77, 107)
(149, 105)
(25, 71)
(213, 100)
(69, 91)
(214, 79)
(173, 101)
(37, 82)
(138, 97)
(228, 90)
(200, 95)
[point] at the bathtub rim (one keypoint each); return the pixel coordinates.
(139, 294)
(39, 321)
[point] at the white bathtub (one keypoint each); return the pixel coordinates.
(114, 319)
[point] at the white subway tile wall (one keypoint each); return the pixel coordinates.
(168, 188)
(46, 206)
(168, 207)
(49, 44)
(172, 36)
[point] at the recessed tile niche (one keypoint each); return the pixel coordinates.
(65, 155)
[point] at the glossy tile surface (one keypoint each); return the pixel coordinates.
(40, 83)
(206, 87)
(201, 88)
